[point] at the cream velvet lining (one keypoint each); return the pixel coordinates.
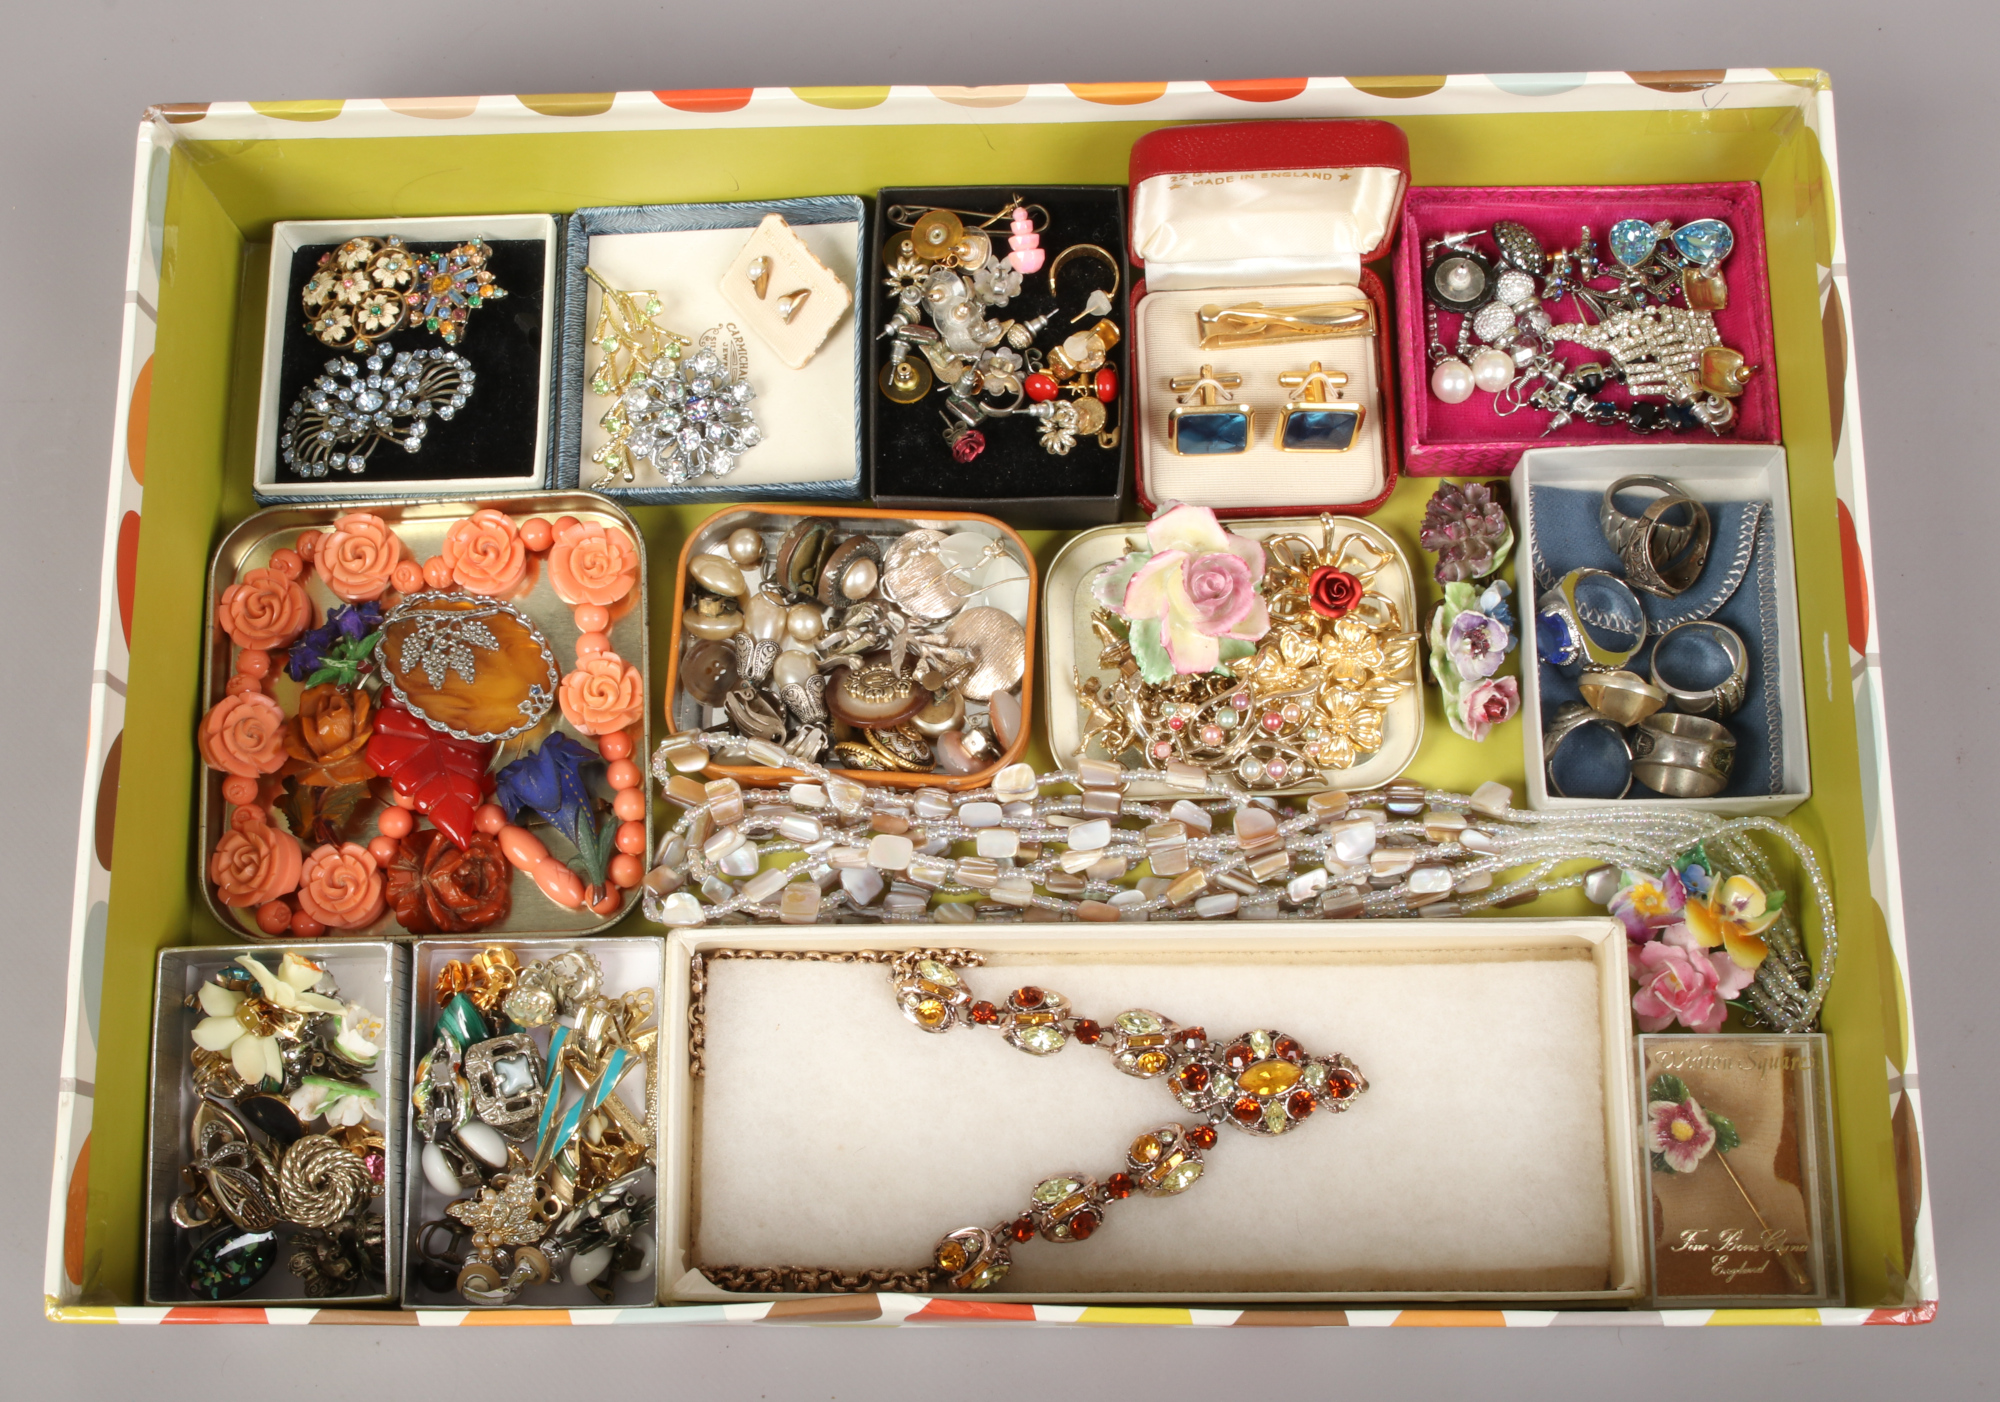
(807, 415)
(1232, 228)
(1166, 347)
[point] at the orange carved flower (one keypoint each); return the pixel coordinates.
(485, 553)
(341, 887)
(243, 734)
(357, 557)
(591, 565)
(263, 609)
(254, 863)
(326, 738)
(604, 693)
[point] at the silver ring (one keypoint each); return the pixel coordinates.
(1683, 756)
(1721, 699)
(1569, 719)
(1653, 563)
(1622, 697)
(1620, 530)
(1559, 624)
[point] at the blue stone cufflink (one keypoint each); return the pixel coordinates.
(1207, 427)
(1313, 423)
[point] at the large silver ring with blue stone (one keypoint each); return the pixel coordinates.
(1564, 620)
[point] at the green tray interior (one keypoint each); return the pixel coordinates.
(223, 197)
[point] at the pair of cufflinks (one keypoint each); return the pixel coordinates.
(1309, 422)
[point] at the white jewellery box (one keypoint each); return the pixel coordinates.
(1489, 1159)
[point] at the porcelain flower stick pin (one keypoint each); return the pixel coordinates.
(1680, 1133)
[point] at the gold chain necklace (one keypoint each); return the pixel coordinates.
(1261, 1082)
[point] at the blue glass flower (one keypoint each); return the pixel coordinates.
(553, 782)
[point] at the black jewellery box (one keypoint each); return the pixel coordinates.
(486, 434)
(912, 464)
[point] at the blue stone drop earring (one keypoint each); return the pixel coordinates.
(1313, 423)
(1207, 427)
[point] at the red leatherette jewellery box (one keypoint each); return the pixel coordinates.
(1287, 214)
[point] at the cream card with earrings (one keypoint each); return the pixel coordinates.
(790, 299)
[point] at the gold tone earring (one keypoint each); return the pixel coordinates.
(789, 304)
(1312, 423)
(759, 273)
(1207, 427)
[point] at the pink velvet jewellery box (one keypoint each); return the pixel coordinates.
(1472, 439)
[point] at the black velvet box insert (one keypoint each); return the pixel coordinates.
(912, 465)
(498, 439)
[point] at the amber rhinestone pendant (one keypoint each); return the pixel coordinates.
(972, 1258)
(470, 666)
(1164, 1161)
(932, 995)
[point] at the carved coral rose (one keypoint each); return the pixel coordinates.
(254, 863)
(341, 887)
(485, 553)
(604, 693)
(591, 565)
(243, 734)
(263, 609)
(357, 557)
(327, 737)
(433, 886)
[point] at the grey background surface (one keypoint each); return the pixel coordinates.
(1917, 111)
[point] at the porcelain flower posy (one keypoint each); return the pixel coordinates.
(1190, 597)
(1735, 916)
(1679, 1133)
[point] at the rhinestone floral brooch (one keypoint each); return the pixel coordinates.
(390, 397)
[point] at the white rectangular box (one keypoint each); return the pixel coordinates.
(1710, 473)
(1418, 1193)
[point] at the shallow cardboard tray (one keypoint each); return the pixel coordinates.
(1262, 945)
(629, 962)
(1710, 472)
(271, 482)
(374, 973)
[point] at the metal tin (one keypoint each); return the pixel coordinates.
(1072, 651)
(883, 527)
(374, 973)
(630, 962)
(421, 524)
